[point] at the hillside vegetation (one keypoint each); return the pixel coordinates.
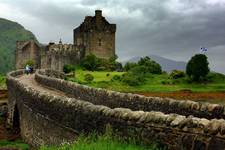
(153, 83)
(10, 32)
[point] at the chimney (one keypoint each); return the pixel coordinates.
(98, 16)
(98, 13)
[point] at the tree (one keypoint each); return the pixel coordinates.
(88, 77)
(150, 65)
(67, 68)
(198, 67)
(90, 62)
(129, 65)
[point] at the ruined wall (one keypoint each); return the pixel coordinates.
(27, 50)
(41, 114)
(114, 99)
(55, 56)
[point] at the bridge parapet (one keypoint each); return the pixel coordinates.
(51, 119)
(134, 102)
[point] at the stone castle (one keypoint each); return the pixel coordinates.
(94, 36)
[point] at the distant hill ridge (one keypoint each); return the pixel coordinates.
(10, 32)
(166, 64)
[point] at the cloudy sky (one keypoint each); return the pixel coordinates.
(175, 29)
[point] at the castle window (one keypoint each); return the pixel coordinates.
(100, 42)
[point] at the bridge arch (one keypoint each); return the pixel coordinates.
(16, 118)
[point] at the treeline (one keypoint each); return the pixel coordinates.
(136, 74)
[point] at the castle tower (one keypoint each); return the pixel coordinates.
(97, 35)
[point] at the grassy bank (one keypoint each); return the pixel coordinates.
(101, 142)
(153, 83)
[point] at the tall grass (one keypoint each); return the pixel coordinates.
(106, 141)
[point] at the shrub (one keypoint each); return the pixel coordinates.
(29, 62)
(129, 65)
(67, 68)
(216, 77)
(176, 74)
(152, 66)
(133, 79)
(197, 67)
(108, 74)
(116, 78)
(90, 62)
(88, 77)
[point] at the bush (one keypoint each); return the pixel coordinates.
(67, 68)
(30, 63)
(129, 65)
(116, 78)
(176, 74)
(197, 67)
(90, 62)
(216, 77)
(88, 77)
(108, 74)
(133, 79)
(152, 66)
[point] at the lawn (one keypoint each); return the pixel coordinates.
(153, 83)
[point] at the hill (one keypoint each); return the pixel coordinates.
(10, 32)
(166, 64)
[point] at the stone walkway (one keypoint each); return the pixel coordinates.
(29, 80)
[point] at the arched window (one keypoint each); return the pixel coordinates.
(99, 42)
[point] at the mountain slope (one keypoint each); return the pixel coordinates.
(166, 64)
(10, 32)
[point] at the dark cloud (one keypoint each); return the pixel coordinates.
(172, 28)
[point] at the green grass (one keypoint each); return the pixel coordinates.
(98, 75)
(13, 144)
(153, 83)
(101, 142)
(2, 81)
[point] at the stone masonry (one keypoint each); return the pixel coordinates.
(72, 111)
(94, 36)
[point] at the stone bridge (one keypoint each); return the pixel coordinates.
(50, 110)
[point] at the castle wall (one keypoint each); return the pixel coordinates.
(27, 50)
(101, 44)
(55, 56)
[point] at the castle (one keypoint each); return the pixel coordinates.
(94, 36)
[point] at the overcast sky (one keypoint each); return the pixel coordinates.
(175, 29)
